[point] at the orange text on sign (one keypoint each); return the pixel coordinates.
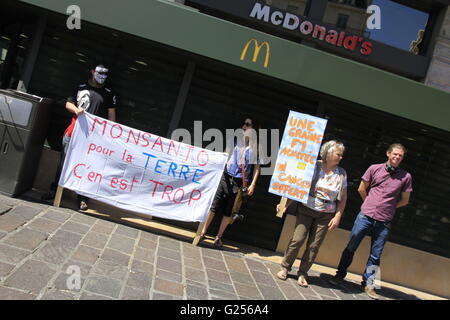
(283, 177)
(303, 134)
(308, 158)
(303, 123)
(286, 189)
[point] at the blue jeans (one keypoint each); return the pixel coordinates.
(363, 226)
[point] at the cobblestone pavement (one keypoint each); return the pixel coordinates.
(43, 247)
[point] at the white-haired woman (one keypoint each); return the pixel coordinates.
(322, 212)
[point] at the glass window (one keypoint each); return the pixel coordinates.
(353, 3)
(342, 21)
(405, 33)
(402, 27)
(349, 15)
(291, 6)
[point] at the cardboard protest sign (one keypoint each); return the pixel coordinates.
(297, 156)
(139, 171)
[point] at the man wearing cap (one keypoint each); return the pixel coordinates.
(93, 97)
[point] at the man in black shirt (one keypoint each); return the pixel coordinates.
(94, 98)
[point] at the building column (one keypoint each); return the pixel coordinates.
(438, 74)
(181, 99)
(32, 55)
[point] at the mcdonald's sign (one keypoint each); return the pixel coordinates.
(256, 51)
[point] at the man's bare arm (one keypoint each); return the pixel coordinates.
(112, 114)
(404, 200)
(362, 189)
(71, 107)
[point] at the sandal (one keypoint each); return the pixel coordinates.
(218, 243)
(302, 281)
(282, 275)
(201, 238)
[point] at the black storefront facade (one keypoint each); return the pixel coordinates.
(162, 87)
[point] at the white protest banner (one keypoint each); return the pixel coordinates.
(139, 171)
(297, 156)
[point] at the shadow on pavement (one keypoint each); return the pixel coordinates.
(69, 201)
(350, 287)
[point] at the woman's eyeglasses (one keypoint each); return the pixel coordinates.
(248, 124)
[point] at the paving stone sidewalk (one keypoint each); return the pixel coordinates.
(44, 248)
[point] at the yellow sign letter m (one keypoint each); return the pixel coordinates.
(257, 49)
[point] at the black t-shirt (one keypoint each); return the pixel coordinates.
(96, 101)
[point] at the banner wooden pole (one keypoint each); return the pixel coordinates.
(282, 207)
(236, 205)
(58, 196)
(198, 233)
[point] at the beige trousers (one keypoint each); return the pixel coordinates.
(312, 225)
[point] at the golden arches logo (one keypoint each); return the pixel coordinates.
(258, 48)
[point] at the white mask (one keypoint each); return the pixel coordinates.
(100, 75)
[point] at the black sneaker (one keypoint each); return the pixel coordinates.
(237, 217)
(336, 280)
(48, 196)
(83, 206)
(218, 243)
